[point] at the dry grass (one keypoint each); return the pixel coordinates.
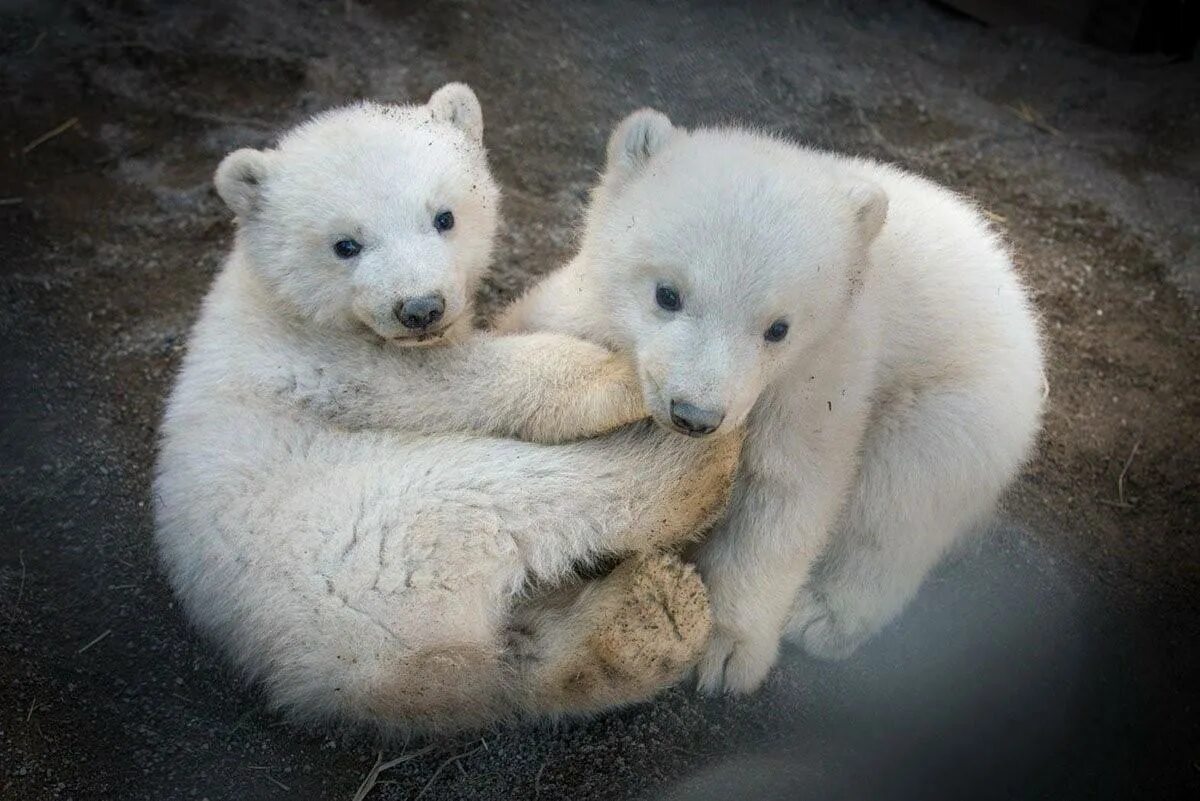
(372, 777)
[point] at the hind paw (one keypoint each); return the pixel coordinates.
(658, 625)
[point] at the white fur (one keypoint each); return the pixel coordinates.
(905, 397)
(336, 507)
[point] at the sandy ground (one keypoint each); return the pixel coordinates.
(1056, 659)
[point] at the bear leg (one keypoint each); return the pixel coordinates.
(610, 641)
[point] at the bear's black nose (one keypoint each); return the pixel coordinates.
(693, 420)
(422, 312)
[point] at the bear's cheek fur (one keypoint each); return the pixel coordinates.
(370, 312)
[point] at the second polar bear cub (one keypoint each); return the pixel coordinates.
(865, 324)
(338, 502)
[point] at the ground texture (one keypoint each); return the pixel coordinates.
(1056, 659)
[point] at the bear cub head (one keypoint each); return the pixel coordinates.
(372, 218)
(720, 257)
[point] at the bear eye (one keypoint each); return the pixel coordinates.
(668, 298)
(347, 248)
(443, 221)
(777, 331)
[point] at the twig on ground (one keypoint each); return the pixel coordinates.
(11, 201)
(1031, 115)
(1117, 504)
(369, 781)
(32, 706)
(93, 642)
(442, 767)
(1124, 471)
(537, 780)
(50, 134)
(278, 783)
(37, 41)
(1122, 502)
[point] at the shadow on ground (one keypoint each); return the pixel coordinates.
(1054, 660)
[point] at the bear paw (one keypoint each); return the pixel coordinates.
(735, 664)
(657, 625)
(825, 630)
(610, 641)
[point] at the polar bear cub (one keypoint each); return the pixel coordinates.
(865, 324)
(337, 499)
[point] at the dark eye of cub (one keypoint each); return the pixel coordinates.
(776, 332)
(668, 298)
(347, 248)
(443, 221)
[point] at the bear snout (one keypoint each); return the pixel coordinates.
(421, 312)
(695, 421)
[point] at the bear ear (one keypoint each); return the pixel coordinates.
(637, 139)
(456, 104)
(239, 179)
(870, 206)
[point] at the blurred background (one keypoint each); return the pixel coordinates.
(1056, 658)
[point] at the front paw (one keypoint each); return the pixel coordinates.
(827, 630)
(736, 664)
(618, 399)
